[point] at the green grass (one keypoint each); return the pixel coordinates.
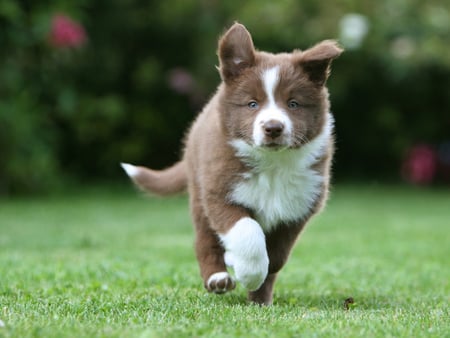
(110, 263)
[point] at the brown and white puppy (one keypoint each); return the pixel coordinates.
(256, 162)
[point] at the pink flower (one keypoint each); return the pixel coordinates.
(420, 165)
(66, 33)
(181, 81)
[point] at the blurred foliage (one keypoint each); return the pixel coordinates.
(130, 92)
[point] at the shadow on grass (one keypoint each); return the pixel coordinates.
(239, 297)
(335, 302)
(340, 301)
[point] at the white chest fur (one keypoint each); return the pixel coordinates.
(281, 186)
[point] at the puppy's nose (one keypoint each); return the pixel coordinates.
(273, 128)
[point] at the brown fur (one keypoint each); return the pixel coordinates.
(210, 167)
(163, 182)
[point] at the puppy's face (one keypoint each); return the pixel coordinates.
(275, 105)
(273, 101)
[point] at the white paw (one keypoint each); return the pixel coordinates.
(228, 258)
(245, 251)
(250, 272)
(220, 282)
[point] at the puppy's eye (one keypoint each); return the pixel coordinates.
(253, 105)
(292, 104)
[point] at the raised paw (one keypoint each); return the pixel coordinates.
(250, 271)
(220, 282)
(246, 253)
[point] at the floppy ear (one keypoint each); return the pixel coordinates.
(316, 61)
(236, 52)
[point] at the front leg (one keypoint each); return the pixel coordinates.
(226, 234)
(241, 237)
(246, 252)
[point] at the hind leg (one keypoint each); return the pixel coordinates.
(279, 245)
(263, 295)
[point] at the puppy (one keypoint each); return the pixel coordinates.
(256, 162)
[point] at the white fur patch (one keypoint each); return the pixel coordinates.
(271, 111)
(246, 253)
(131, 170)
(281, 187)
(271, 77)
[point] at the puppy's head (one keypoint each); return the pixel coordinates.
(273, 100)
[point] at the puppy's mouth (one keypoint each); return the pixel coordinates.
(275, 144)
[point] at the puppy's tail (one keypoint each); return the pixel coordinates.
(160, 182)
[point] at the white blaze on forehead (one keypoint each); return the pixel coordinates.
(270, 79)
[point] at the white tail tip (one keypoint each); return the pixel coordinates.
(130, 169)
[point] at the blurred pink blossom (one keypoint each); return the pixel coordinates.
(181, 81)
(66, 33)
(420, 165)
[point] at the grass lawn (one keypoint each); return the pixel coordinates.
(110, 263)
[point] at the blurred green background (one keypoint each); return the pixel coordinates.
(86, 84)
